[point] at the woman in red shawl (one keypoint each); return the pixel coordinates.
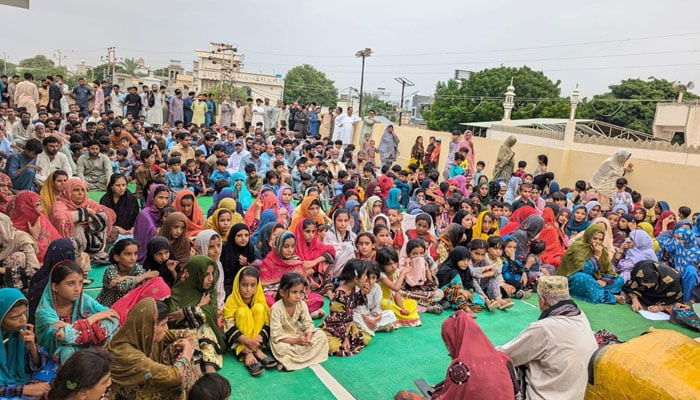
(375, 189)
(279, 261)
(516, 219)
(316, 256)
(477, 370)
(27, 216)
(665, 222)
(266, 201)
(186, 203)
(554, 237)
(385, 183)
(75, 215)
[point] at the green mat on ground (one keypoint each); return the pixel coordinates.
(394, 360)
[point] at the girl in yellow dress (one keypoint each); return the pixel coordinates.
(406, 310)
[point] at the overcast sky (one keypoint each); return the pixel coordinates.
(424, 41)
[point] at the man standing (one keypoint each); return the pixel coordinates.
(55, 95)
(248, 114)
(556, 348)
(65, 90)
(176, 108)
(133, 103)
(187, 109)
(368, 123)
(99, 96)
(51, 160)
(154, 108)
(94, 167)
(267, 117)
(238, 115)
(11, 90)
(282, 114)
(82, 95)
(22, 168)
(345, 125)
(116, 103)
(27, 94)
(43, 94)
(258, 114)
(327, 123)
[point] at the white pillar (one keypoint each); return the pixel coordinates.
(508, 103)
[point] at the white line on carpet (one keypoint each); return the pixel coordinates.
(333, 385)
(531, 305)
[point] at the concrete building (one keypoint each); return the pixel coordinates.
(420, 103)
(678, 122)
(223, 63)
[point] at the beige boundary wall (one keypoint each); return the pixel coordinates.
(673, 180)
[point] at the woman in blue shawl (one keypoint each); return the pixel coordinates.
(393, 200)
(20, 357)
(684, 254)
(575, 224)
(67, 320)
(240, 190)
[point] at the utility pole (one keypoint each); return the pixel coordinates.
(404, 82)
(362, 54)
(60, 56)
(4, 60)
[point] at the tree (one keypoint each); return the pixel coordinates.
(372, 102)
(462, 101)
(161, 71)
(306, 84)
(100, 71)
(36, 62)
(40, 66)
(236, 93)
(632, 115)
(130, 66)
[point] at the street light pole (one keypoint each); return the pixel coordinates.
(363, 54)
(404, 82)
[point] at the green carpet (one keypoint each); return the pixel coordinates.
(394, 360)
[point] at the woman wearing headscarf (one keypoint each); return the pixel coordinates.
(555, 239)
(149, 360)
(59, 250)
(53, 186)
(449, 238)
(575, 224)
(371, 208)
(317, 257)
(149, 219)
(477, 370)
(75, 215)
(485, 226)
(175, 230)
(528, 231)
(159, 257)
(388, 147)
(18, 251)
(471, 160)
(310, 208)
(504, 160)
(605, 176)
(209, 243)
(194, 305)
(646, 227)
(266, 217)
(483, 193)
(637, 248)
(684, 254)
(417, 152)
(284, 200)
(587, 266)
(466, 220)
(456, 280)
(393, 201)
(517, 218)
(277, 263)
(6, 195)
(236, 253)
(124, 204)
(240, 190)
(512, 189)
(607, 239)
(226, 193)
(653, 286)
(229, 207)
(417, 201)
(186, 203)
(27, 216)
(462, 184)
(665, 222)
(265, 201)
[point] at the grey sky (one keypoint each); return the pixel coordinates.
(275, 35)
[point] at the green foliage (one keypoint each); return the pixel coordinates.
(236, 93)
(633, 115)
(306, 84)
(130, 65)
(452, 108)
(99, 71)
(161, 71)
(36, 62)
(40, 66)
(372, 102)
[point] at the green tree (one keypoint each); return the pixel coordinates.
(236, 93)
(130, 66)
(100, 71)
(40, 66)
(306, 84)
(380, 107)
(161, 71)
(36, 62)
(461, 101)
(637, 115)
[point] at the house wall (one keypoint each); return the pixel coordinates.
(660, 174)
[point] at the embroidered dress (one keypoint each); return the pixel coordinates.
(339, 325)
(584, 285)
(283, 325)
(116, 285)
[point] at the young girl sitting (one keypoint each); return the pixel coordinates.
(485, 280)
(246, 321)
(456, 280)
(495, 257)
(294, 340)
(423, 225)
(420, 283)
(20, 356)
(391, 281)
(514, 274)
(366, 244)
(371, 317)
(383, 235)
(123, 275)
(533, 264)
(344, 337)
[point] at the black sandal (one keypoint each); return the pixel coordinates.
(255, 369)
(269, 362)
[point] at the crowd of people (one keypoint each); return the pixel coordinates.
(300, 216)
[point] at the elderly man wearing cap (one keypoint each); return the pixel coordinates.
(234, 160)
(556, 348)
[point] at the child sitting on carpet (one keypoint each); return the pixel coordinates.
(123, 275)
(370, 317)
(391, 281)
(423, 224)
(344, 337)
(513, 274)
(420, 283)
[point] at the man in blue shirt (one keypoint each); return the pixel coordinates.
(267, 157)
(22, 168)
(254, 159)
(82, 95)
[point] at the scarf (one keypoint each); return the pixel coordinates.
(281, 204)
(605, 176)
(243, 195)
(250, 319)
(607, 239)
(265, 201)
(580, 252)
(61, 215)
(313, 249)
(646, 227)
(47, 194)
(25, 213)
(477, 370)
(654, 283)
(13, 352)
(574, 227)
(223, 194)
(462, 184)
(477, 232)
(201, 246)
(516, 218)
(504, 160)
(156, 244)
(274, 266)
(59, 250)
(643, 249)
(195, 222)
(146, 224)
(449, 269)
(181, 246)
(554, 237)
(566, 308)
(126, 208)
(225, 204)
(189, 289)
(302, 212)
(231, 253)
(659, 226)
(393, 200)
(366, 213)
(452, 236)
(511, 189)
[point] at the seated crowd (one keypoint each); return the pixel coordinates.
(298, 217)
